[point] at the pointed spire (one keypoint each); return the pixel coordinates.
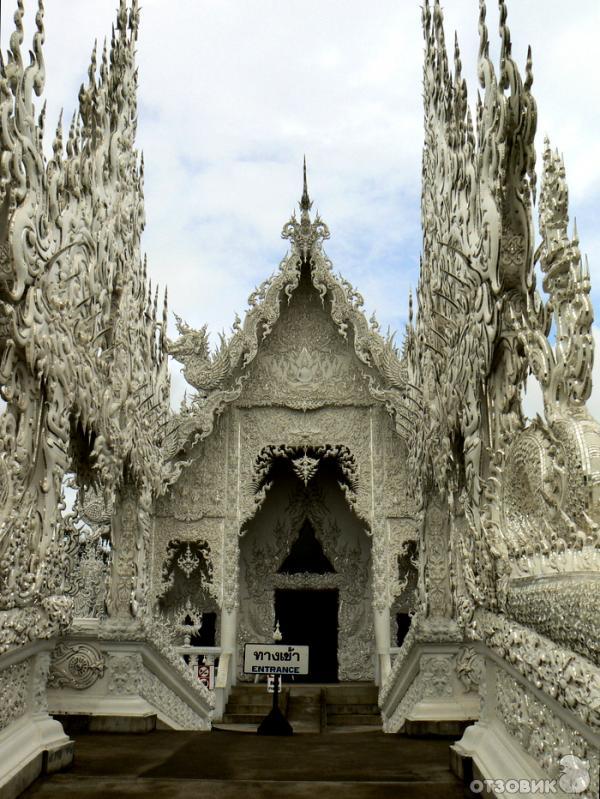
(305, 233)
(305, 201)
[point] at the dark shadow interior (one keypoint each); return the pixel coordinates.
(311, 618)
(306, 554)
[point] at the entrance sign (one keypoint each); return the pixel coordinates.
(275, 659)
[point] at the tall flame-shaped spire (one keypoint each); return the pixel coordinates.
(306, 233)
(305, 201)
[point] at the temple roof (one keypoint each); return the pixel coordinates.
(218, 377)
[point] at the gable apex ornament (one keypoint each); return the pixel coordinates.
(305, 235)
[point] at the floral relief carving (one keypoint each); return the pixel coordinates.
(205, 536)
(413, 695)
(568, 678)
(76, 666)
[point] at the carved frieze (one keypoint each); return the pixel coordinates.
(469, 668)
(200, 490)
(570, 679)
(563, 607)
(166, 701)
(542, 733)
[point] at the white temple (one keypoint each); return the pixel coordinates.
(390, 507)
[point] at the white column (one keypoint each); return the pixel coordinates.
(229, 640)
(382, 643)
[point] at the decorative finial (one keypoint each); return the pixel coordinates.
(277, 636)
(305, 234)
(305, 201)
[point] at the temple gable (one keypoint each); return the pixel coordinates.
(305, 363)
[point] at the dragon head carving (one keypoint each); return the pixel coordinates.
(202, 370)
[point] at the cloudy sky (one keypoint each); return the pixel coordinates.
(233, 93)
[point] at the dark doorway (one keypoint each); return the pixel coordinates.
(403, 621)
(206, 636)
(311, 617)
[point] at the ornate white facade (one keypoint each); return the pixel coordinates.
(425, 488)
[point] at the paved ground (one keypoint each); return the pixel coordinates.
(230, 765)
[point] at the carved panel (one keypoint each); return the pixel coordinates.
(469, 668)
(436, 562)
(124, 674)
(161, 697)
(262, 427)
(200, 490)
(437, 671)
(78, 666)
(205, 531)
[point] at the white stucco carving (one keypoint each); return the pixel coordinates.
(305, 412)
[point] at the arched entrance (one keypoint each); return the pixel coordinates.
(305, 562)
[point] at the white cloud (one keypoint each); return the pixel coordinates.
(533, 401)
(232, 95)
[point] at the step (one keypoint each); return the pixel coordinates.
(243, 718)
(259, 712)
(73, 786)
(254, 701)
(251, 696)
(354, 720)
(371, 708)
(304, 710)
(341, 694)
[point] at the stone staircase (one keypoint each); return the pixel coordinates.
(227, 765)
(351, 706)
(309, 708)
(249, 704)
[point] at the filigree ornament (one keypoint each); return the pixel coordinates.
(188, 562)
(305, 467)
(184, 627)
